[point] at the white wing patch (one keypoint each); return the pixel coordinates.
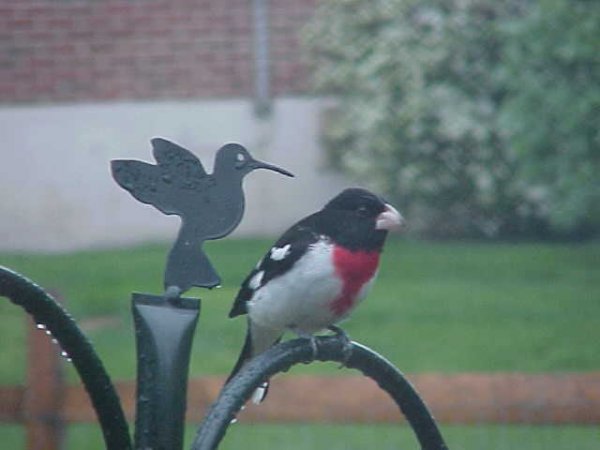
(256, 280)
(279, 253)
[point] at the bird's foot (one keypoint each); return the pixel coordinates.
(346, 344)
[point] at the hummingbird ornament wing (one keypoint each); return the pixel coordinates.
(143, 181)
(164, 185)
(176, 162)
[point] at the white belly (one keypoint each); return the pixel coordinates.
(299, 300)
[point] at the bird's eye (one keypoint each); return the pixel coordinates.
(240, 157)
(363, 211)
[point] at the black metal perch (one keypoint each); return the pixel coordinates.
(331, 348)
(46, 312)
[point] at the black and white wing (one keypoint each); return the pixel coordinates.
(278, 260)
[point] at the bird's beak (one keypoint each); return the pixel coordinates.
(389, 219)
(256, 164)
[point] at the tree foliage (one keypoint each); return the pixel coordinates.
(552, 111)
(422, 89)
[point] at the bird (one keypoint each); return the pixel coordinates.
(210, 205)
(315, 274)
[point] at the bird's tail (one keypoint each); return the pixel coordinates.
(258, 339)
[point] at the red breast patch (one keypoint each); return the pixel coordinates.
(354, 269)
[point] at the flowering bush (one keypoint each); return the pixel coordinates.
(419, 89)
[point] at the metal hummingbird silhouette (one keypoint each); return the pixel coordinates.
(210, 205)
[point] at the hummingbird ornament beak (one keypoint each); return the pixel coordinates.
(256, 164)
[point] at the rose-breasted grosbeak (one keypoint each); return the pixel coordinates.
(316, 273)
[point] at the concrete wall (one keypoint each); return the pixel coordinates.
(57, 192)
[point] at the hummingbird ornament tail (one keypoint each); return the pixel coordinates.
(188, 265)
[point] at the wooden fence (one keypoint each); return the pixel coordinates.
(45, 404)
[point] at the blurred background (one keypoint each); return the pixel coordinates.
(478, 119)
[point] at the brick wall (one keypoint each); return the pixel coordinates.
(89, 50)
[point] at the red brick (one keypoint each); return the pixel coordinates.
(157, 49)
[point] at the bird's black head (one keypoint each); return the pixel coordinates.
(359, 219)
(234, 158)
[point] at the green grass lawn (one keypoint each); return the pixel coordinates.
(361, 437)
(446, 307)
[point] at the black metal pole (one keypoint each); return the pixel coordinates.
(49, 314)
(282, 356)
(210, 206)
(164, 329)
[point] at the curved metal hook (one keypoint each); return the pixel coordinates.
(331, 348)
(45, 310)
